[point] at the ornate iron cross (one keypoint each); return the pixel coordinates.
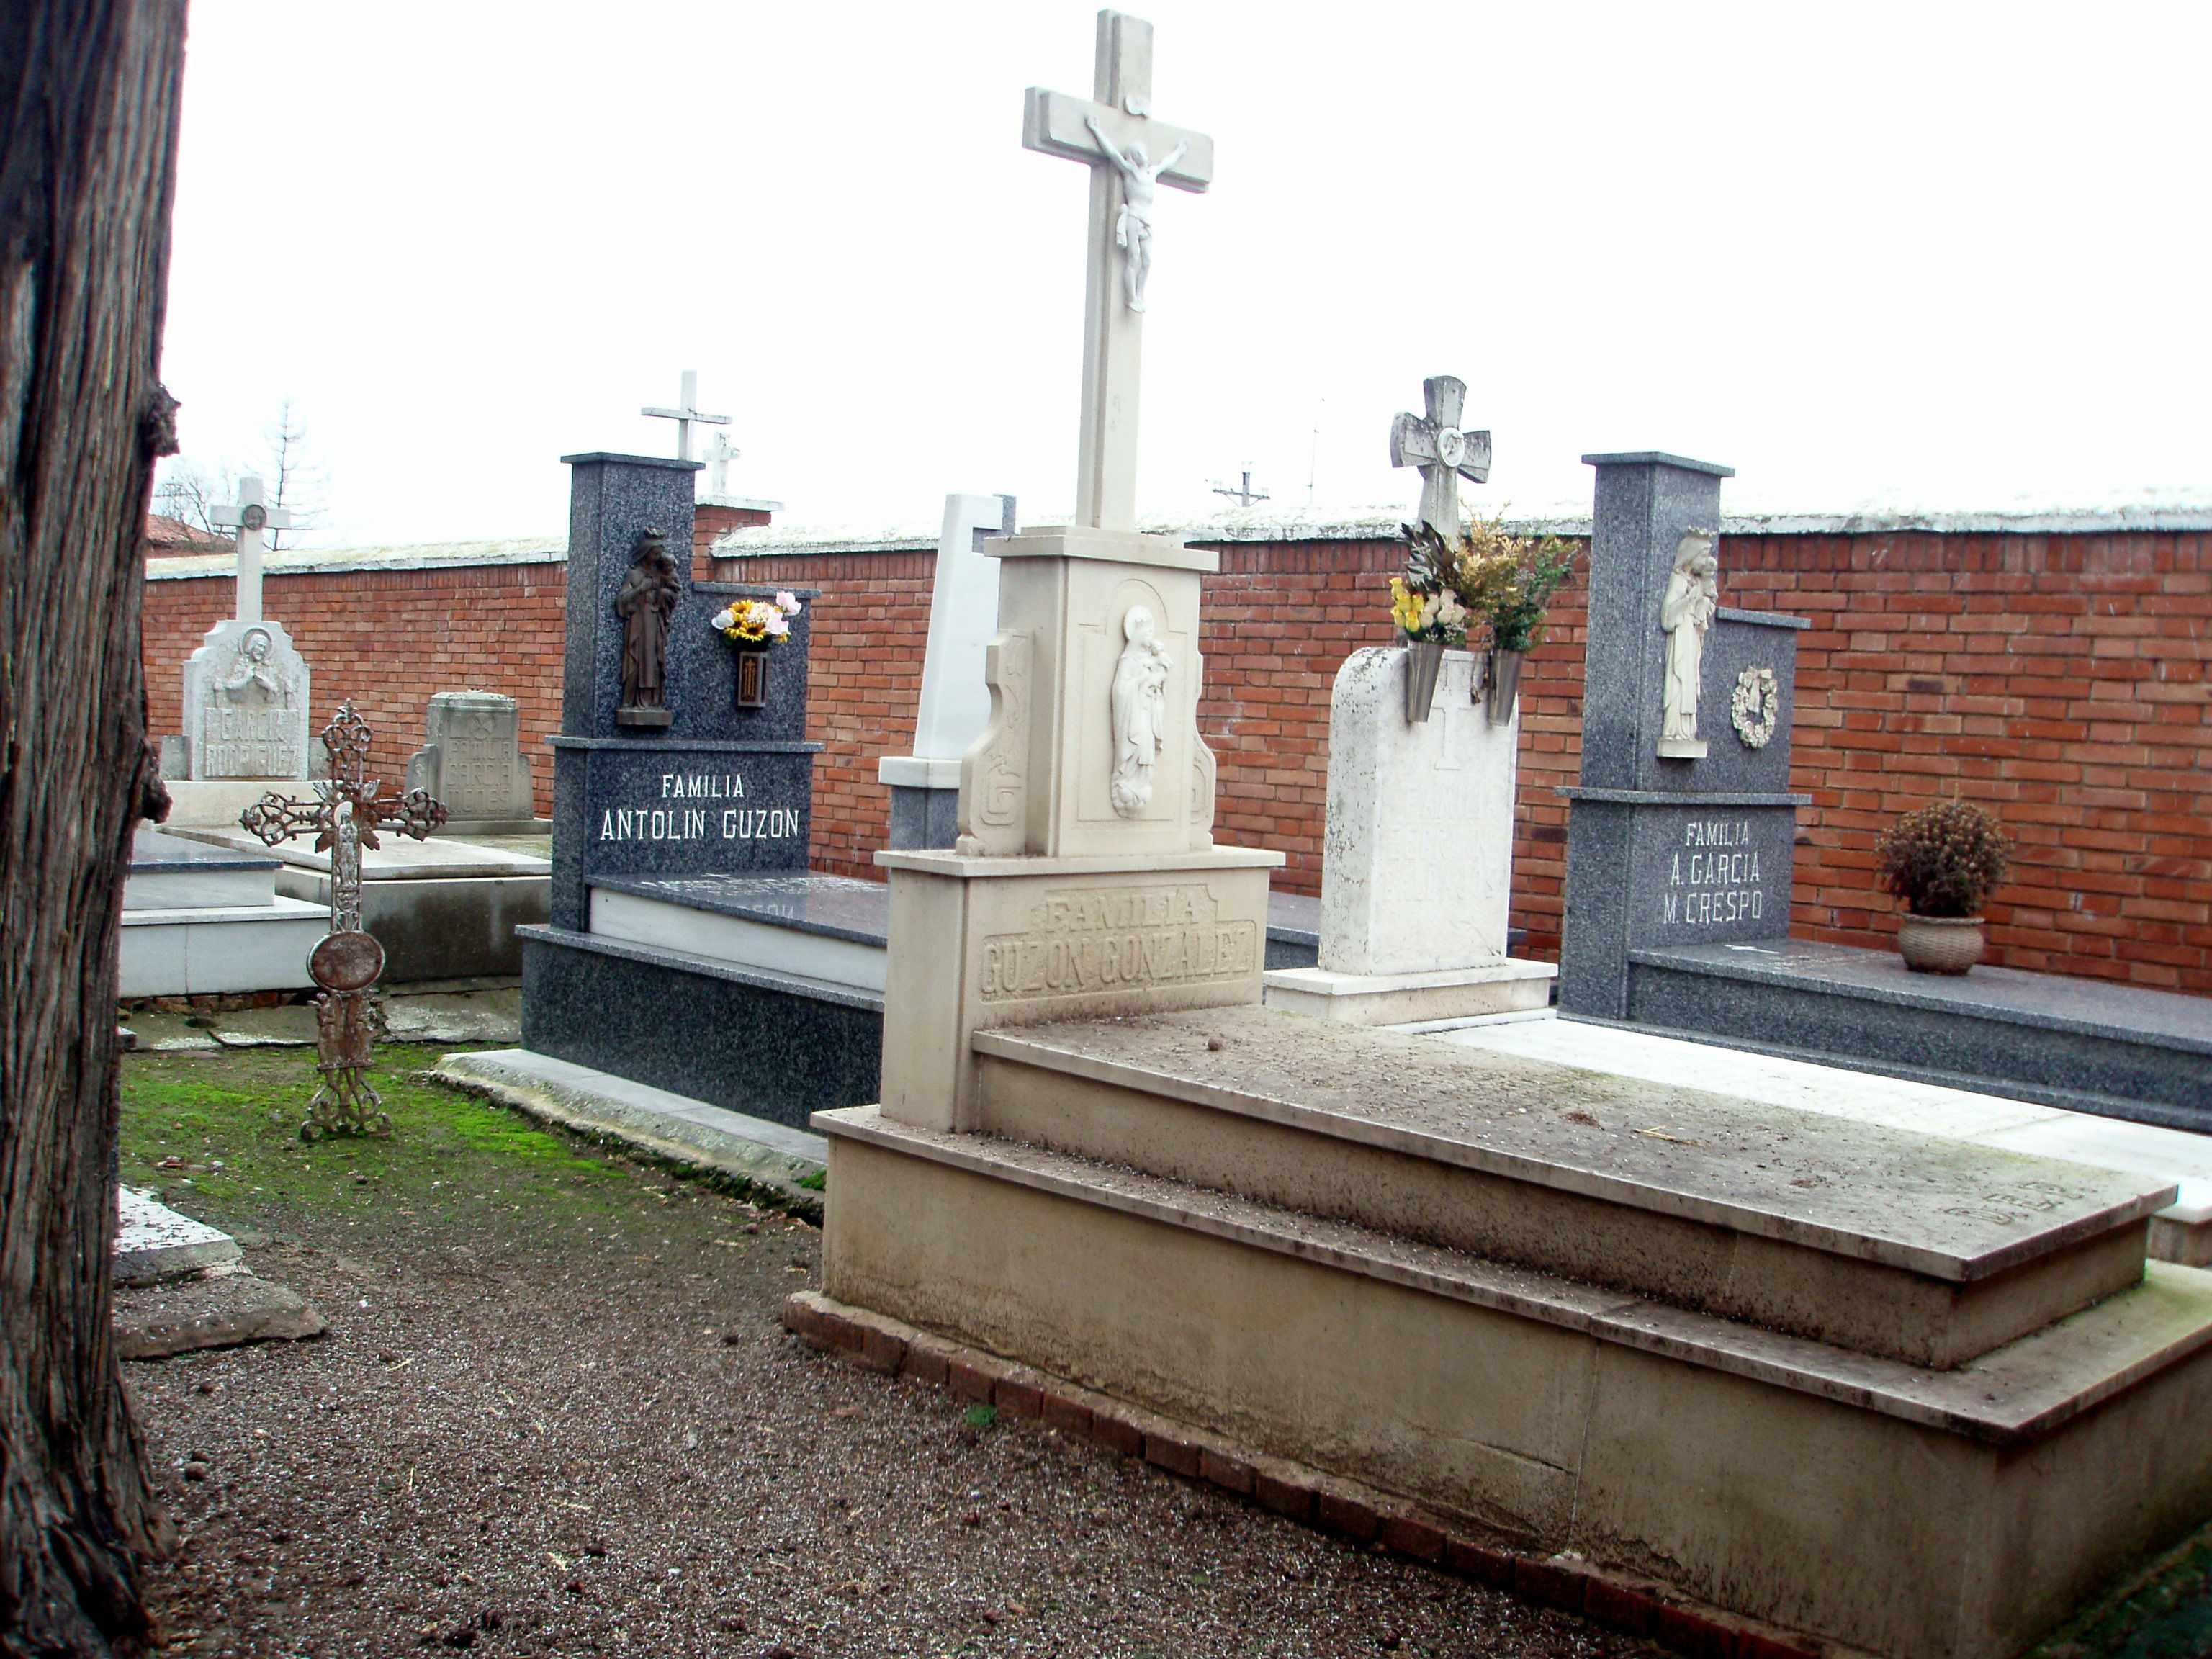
(348, 810)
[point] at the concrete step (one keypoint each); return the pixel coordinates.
(189, 952)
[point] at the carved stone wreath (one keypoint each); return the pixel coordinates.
(1753, 705)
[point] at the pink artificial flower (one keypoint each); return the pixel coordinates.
(788, 602)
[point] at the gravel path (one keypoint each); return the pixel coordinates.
(576, 1427)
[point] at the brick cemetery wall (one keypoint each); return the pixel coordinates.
(2059, 679)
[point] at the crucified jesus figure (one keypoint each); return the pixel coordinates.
(1133, 229)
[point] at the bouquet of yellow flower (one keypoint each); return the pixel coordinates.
(758, 622)
(1422, 602)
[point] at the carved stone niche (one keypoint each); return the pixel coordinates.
(1041, 779)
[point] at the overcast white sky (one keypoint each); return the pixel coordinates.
(1954, 254)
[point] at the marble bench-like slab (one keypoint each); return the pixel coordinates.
(1870, 1238)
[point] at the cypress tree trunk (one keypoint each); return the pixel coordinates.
(88, 94)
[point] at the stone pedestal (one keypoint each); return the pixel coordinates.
(246, 704)
(1065, 898)
(1417, 862)
(956, 703)
(473, 762)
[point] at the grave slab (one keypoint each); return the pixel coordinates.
(221, 1311)
(169, 873)
(665, 1124)
(1875, 1239)
(153, 1243)
(472, 760)
(2182, 1232)
(2115, 1050)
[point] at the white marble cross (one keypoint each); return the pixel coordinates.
(249, 516)
(685, 413)
(1441, 451)
(719, 454)
(1128, 154)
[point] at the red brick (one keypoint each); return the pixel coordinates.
(1230, 1473)
(1117, 1434)
(882, 1352)
(927, 1366)
(1349, 1515)
(1175, 1454)
(1068, 1416)
(1547, 1582)
(1018, 1398)
(968, 1383)
(1284, 1496)
(1410, 1535)
(1619, 1605)
(1480, 1562)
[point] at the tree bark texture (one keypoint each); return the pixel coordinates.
(89, 94)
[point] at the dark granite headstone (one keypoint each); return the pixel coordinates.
(720, 789)
(1663, 850)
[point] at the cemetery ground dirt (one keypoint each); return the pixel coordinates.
(555, 1414)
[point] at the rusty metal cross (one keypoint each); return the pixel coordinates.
(348, 810)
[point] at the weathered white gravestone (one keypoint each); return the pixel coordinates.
(956, 701)
(245, 687)
(472, 760)
(1417, 856)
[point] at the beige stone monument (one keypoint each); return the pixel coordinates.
(1872, 1390)
(1084, 881)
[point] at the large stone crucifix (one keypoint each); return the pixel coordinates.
(1444, 453)
(1129, 154)
(249, 515)
(686, 414)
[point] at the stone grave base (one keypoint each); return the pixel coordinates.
(200, 920)
(747, 1038)
(1505, 987)
(769, 1158)
(442, 909)
(2115, 1050)
(1810, 1371)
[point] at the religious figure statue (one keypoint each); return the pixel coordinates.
(252, 680)
(1139, 703)
(1133, 229)
(645, 602)
(1692, 596)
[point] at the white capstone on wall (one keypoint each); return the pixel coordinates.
(1417, 860)
(246, 703)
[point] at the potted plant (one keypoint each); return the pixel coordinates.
(755, 626)
(1942, 860)
(1508, 581)
(1429, 615)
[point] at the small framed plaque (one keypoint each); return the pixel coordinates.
(752, 679)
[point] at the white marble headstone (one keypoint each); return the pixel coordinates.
(1417, 860)
(473, 759)
(246, 703)
(963, 614)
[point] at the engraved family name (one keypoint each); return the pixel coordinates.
(1119, 938)
(1716, 867)
(700, 822)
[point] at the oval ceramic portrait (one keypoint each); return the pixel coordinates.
(346, 961)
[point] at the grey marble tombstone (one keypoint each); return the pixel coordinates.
(471, 759)
(246, 703)
(1683, 828)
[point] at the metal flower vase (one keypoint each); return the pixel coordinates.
(1504, 678)
(1423, 658)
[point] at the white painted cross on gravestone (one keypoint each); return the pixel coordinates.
(1115, 134)
(685, 413)
(1441, 451)
(249, 516)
